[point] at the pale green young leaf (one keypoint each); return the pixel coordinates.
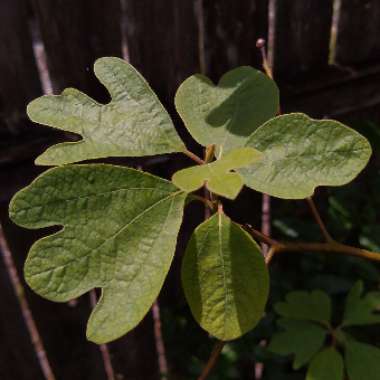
(224, 278)
(226, 114)
(360, 310)
(134, 123)
(300, 305)
(300, 153)
(362, 361)
(119, 233)
(303, 339)
(217, 175)
(327, 365)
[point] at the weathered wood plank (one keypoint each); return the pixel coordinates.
(358, 32)
(339, 95)
(301, 38)
(19, 80)
(74, 34)
(231, 29)
(162, 39)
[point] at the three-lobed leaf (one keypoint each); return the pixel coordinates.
(217, 175)
(119, 233)
(224, 278)
(360, 310)
(226, 114)
(327, 364)
(314, 306)
(301, 338)
(300, 153)
(133, 123)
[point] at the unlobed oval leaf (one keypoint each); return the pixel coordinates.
(217, 175)
(328, 364)
(120, 232)
(226, 114)
(300, 153)
(224, 278)
(134, 123)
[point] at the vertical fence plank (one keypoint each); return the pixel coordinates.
(162, 39)
(231, 29)
(74, 34)
(19, 80)
(358, 32)
(301, 38)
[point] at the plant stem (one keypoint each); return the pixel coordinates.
(193, 156)
(319, 220)
(210, 204)
(25, 310)
(160, 346)
(215, 353)
(333, 247)
(259, 235)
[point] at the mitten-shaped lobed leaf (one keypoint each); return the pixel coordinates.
(224, 278)
(328, 364)
(227, 114)
(301, 338)
(120, 232)
(300, 154)
(314, 306)
(360, 310)
(134, 123)
(217, 175)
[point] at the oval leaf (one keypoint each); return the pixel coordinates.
(120, 233)
(225, 278)
(133, 124)
(328, 364)
(227, 114)
(217, 175)
(300, 154)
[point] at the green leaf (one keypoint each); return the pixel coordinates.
(362, 361)
(314, 306)
(120, 232)
(301, 338)
(360, 310)
(227, 114)
(134, 123)
(302, 153)
(217, 175)
(225, 278)
(328, 364)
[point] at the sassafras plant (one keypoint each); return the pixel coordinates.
(120, 225)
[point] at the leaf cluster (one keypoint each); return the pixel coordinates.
(119, 226)
(308, 335)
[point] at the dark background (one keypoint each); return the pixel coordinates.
(325, 56)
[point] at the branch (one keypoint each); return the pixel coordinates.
(160, 345)
(333, 247)
(212, 360)
(193, 156)
(319, 220)
(25, 310)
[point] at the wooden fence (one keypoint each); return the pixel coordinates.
(325, 56)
